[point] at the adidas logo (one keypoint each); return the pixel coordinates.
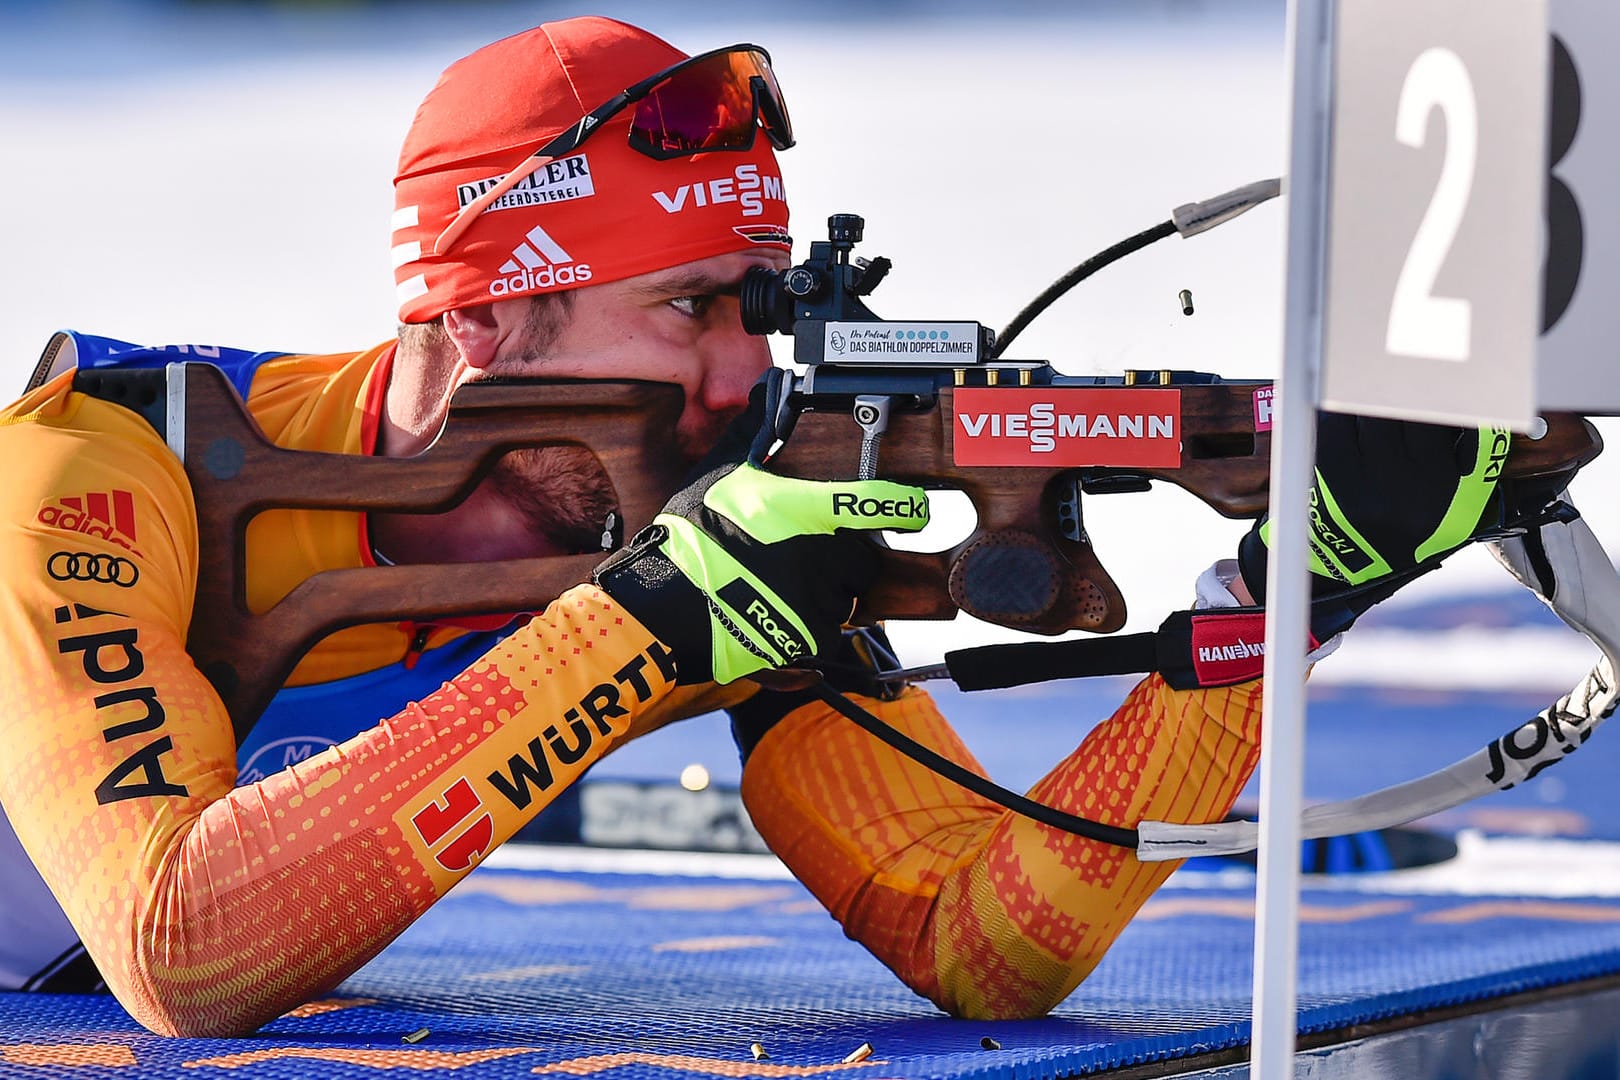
(538, 262)
(108, 515)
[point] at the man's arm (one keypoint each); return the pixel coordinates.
(192, 895)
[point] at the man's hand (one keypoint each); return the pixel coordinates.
(1389, 500)
(745, 570)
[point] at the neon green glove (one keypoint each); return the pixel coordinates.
(1390, 499)
(745, 570)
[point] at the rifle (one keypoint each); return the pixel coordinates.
(930, 403)
(934, 404)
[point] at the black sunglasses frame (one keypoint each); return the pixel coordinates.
(777, 128)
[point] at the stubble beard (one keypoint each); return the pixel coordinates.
(561, 493)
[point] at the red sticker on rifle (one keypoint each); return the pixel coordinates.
(1060, 427)
(1262, 408)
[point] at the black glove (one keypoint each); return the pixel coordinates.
(1390, 499)
(745, 570)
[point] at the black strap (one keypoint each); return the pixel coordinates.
(993, 667)
(1191, 649)
(950, 770)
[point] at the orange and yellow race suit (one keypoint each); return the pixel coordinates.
(211, 905)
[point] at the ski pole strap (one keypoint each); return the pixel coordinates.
(1191, 649)
(1562, 562)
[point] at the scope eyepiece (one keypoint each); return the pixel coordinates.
(767, 307)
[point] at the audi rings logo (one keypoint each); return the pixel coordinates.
(83, 566)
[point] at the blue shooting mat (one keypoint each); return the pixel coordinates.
(644, 976)
(649, 977)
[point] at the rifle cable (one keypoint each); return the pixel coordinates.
(1074, 277)
(950, 770)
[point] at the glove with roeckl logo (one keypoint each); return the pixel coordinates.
(1389, 500)
(745, 570)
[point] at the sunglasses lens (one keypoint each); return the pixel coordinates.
(710, 104)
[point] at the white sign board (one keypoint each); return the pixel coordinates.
(1579, 363)
(1436, 170)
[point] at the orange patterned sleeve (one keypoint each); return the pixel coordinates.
(210, 908)
(989, 914)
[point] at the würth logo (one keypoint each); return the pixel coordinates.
(107, 515)
(538, 262)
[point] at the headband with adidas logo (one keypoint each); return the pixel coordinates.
(602, 213)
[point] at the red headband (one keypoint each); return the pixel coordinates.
(602, 213)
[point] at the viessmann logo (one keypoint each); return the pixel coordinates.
(1061, 427)
(746, 186)
(538, 262)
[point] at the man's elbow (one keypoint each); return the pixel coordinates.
(197, 1002)
(180, 1016)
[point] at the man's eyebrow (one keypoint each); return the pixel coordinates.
(691, 283)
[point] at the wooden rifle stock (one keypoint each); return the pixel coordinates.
(236, 473)
(1027, 564)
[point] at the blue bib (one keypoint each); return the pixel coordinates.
(239, 365)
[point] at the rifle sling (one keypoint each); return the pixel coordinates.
(1192, 650)
(994, 667)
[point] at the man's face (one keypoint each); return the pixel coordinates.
(680, 326)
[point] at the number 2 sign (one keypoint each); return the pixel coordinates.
(1437, 163)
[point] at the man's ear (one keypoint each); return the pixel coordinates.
(475, 332)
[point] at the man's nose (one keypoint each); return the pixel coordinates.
(736, 365)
